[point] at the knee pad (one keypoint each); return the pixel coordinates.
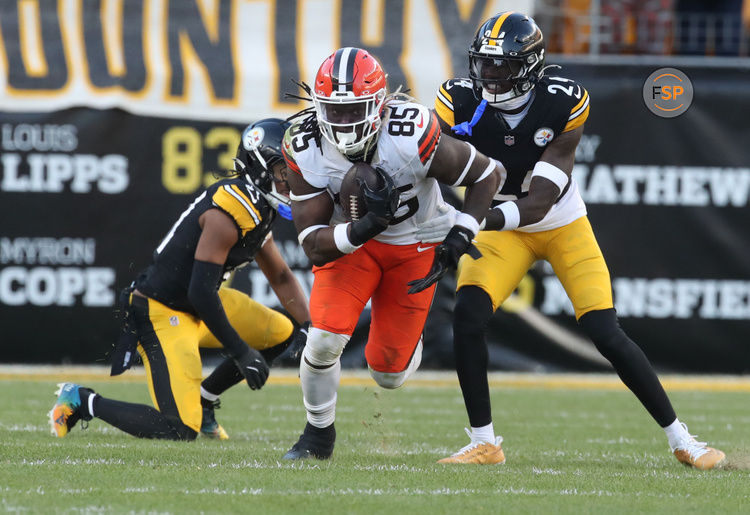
(473, 310)
(602, 328)
(392, 380)
(599, 325)
(323, 348)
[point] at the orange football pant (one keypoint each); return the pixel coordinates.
(376, 271)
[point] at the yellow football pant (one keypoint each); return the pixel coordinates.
(572, 251)
(173, 362)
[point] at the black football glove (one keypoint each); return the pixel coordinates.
(457, 242)
(298, 343)
(382, 202)
(254, 367)
(381, 207)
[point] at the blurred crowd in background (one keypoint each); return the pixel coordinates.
(666, 27)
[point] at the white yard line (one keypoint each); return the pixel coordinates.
(432, 379)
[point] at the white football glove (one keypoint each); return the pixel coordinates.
(435, 229)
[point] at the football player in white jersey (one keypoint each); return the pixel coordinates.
(377, 256)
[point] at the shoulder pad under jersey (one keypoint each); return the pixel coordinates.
(571, 100)
(455, 101)
(414, 129)
(240, 201)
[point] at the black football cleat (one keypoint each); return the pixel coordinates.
(314, 442)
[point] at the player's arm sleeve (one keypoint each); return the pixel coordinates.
(204, 297)
(578, 113)
(237, 203)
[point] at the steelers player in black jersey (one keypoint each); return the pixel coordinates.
(176, 307)
(510, 110)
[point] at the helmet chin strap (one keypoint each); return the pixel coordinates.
(509, 104)
(275, 199)
(279, 202)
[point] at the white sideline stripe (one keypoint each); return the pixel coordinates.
(430, 379)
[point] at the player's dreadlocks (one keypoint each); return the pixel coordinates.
(306, 118)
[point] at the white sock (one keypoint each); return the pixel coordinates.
(676, 432)
(319, 387)
(208, 395)
(483, 434)
(91, 404)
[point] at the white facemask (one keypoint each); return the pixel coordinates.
(507, 105)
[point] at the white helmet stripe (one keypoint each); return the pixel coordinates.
(345, 67)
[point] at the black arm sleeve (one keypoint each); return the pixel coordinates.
(366, 228)
(204, 297)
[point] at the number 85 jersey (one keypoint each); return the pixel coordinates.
(406, 144)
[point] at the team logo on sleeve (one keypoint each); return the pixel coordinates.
(543, 136)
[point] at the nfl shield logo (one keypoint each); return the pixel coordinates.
(510, 140)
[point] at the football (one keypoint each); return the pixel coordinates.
(351, 198)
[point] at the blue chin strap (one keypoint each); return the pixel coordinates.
(284, 211)
(464, 128)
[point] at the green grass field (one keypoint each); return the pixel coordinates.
(569, 450)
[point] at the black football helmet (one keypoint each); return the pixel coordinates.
(259, 150)
(506, 57)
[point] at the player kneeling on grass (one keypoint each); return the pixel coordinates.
(532, 123)
(175, 306)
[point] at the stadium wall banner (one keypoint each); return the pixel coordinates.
(106, 136)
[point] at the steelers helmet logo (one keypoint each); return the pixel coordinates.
(253, 138)
(543, 136)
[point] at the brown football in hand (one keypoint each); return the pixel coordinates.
(351, 197)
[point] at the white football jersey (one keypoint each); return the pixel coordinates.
(406, 144)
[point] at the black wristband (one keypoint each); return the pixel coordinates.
(366, 228)
(204, 296)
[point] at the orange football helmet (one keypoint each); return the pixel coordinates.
(348, 95)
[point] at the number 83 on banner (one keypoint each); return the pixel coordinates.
(183, 170)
